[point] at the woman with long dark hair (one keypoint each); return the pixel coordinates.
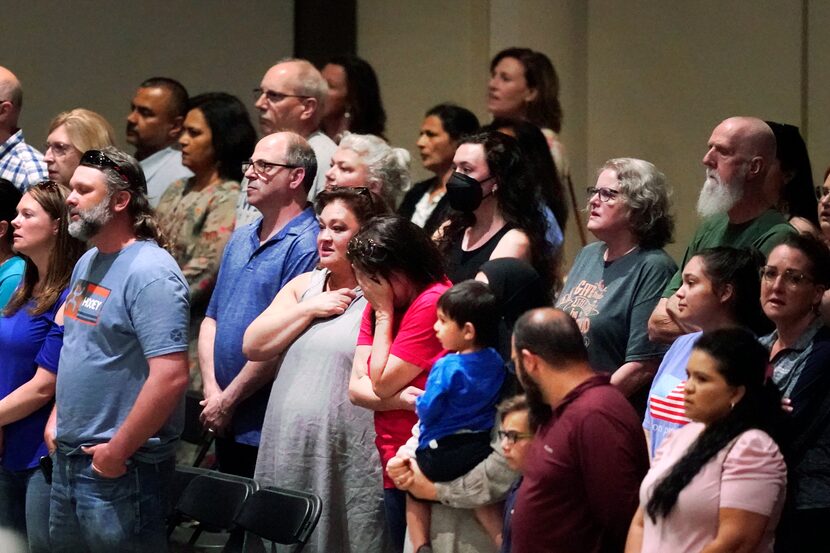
(353, 103)
(31, 336)
(498, 212)
(717, 484)
(401, 274)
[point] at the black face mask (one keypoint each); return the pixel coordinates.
(464, 192)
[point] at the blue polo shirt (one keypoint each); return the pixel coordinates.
(249, 277)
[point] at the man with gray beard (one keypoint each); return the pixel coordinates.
(736, 204)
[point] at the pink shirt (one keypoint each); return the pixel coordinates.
(751, 475)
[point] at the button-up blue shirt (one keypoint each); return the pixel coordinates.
(250, 276)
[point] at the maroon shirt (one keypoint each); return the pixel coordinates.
(582, 475)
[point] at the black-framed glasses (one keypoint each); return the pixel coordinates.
(513, 436)
(791, 277)
(605, 194)
(264, 167)
(821, 192)
(274, 97)
(99, 160)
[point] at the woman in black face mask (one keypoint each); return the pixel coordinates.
(498, 209)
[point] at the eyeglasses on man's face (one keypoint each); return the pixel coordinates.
(512, 436)
(605, 194)
(791, 277)
(274, 97)
(263, 167)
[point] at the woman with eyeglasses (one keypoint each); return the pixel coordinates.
(197, 214)
(497, 213)
(720, 290)
(615, 283)
(31, 336)
(795, 277)
(401, 273)
(718, 483)
(367, 160)
(313, 438)
(72, 133)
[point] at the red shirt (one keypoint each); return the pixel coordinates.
(413, 341)
(582, 475)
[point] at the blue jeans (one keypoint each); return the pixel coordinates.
(24, 506)
(92, 513)
(394, 504)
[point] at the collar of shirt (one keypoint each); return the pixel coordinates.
(13, 141)
(295, 226)
(570, 397)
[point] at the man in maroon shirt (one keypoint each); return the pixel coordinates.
(585, 465)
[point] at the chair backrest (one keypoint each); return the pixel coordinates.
(280, 515)
(213, 499)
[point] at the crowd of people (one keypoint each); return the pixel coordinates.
(418, 355)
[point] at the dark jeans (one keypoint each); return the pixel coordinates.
(93, 513)
(236, 458)
(394, 504)
(455, 456)
(24, 506)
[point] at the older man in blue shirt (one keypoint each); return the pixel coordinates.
(259, 260)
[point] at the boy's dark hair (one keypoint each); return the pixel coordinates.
(472, 302)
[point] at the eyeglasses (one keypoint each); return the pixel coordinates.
(821, 192)
(512, 436)
(59, 149)
(605, 194)
(275, 97)
(99, 160)
(791, 277)
(263, 167)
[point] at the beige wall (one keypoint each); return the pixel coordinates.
(94, 54)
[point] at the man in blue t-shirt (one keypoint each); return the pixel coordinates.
(123, 368)
(259, 260)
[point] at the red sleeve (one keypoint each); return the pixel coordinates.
(612, 468)
(367, 329)
(415, 341)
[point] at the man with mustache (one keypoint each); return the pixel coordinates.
(737, 204)
(154, 124)
(584, 467)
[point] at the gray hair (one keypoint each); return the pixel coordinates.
(299, 153)
(646, 195)
(310, 81)
(387, 167)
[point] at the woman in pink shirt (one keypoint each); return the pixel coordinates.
(718, 483)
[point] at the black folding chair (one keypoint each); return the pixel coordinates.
(287, 517)
(213, 499)
(194, 432)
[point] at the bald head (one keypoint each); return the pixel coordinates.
(11, 100)
(552, 335)
(293, 92)
(752, 136)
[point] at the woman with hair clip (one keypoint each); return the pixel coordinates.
(367, 160)
(197, 214)
(426, 204)
(720, 290)
(11, 265)
(718, 483)
(72, 133)
(353, 103)
(31, 335)
(793, 281)
(401, 274)
(793, 178)
(497, 213)
(313, 438)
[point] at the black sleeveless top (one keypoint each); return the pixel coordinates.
(464, 265)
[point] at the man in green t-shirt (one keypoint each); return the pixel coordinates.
(737, 205)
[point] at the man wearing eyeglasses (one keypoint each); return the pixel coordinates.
(123, 368)
(19, 163)
(154, 124)
(290, 97)
(259, 260)
(737, 204)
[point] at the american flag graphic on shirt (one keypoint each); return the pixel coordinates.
(669, 408)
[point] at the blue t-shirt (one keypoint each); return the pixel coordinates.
(11, 273)
(461, 394)
(664, 412)
(27, 341)
(249, 277)
(123, 309)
